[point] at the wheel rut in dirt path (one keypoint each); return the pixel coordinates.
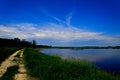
(22, 75)
(22, 72)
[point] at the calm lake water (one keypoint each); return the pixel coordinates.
(106, 59)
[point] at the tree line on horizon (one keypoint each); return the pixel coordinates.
(16, 42)
(89, 47)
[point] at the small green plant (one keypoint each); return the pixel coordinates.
(48, 67)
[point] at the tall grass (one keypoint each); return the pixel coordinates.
(6, 52)
(54, 68)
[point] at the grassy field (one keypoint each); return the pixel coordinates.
(48, 67)
(6, 52)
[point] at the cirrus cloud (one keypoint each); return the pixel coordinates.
(61, 32)
(52, 31)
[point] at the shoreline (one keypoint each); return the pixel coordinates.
(53, 67)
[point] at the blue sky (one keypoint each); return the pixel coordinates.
(62, 22)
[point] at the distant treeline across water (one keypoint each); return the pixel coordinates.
(16, 42)
(90, 47)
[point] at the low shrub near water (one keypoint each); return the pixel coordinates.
(48, 67)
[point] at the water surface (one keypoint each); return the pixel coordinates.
(106, 59)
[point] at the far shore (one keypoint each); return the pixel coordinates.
(81, 47)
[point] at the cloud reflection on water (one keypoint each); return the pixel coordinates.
(92, 55)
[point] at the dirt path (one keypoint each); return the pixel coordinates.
(19, 61)
(22, 75)
(22, 70)
(10, 61)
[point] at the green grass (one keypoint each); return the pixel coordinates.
(9, 75)
(48, 67)
(6, 52)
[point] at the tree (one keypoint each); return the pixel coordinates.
(17, 39)
(34, 43)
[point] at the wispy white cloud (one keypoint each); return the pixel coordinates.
(11, 32)
(66, 22)
(59, 32)
(69, 17)
(52, 31)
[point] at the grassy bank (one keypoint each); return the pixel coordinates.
(9, 75)
(54, 68)
(6, 52)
